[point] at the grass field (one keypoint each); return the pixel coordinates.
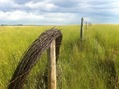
(92, 64)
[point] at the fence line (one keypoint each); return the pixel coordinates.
(51, 38)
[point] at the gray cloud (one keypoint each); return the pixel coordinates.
(96, 11)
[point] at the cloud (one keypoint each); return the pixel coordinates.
(8, 5)
(18, 15)
(31, 17)
(41, 5)
(58, 11)
(3, 1)
(114, 8)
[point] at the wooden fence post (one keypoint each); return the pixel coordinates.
(86, 25)
(81, 30)
(52, 66)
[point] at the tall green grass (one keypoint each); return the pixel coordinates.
(90, 64)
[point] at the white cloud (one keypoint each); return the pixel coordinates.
(115, 11)
(3, 1)
(48, 18)
(114, 8)
(8, 4)
(41, 5)
(19, 15)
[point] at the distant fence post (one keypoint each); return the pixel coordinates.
(52, 66)
(86, 25)
(81, 30)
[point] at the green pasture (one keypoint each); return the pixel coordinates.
(90, 64)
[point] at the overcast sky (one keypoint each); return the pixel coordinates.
(45, 12)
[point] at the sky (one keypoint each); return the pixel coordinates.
(58, 12)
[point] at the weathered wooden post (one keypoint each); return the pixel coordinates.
(81, 30)
(52, 66)
(86, 25)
